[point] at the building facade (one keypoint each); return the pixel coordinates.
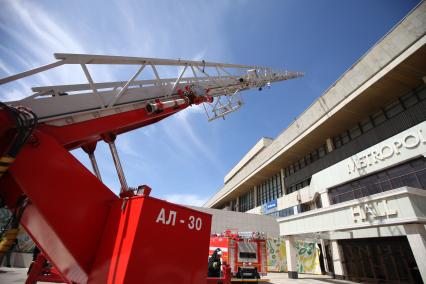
(350, 171)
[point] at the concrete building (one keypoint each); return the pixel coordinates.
(350, 171)
(240, 222)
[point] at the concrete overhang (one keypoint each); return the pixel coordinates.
(256, 149)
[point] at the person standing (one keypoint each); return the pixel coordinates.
(215, 263)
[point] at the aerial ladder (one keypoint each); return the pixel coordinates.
(89, 234)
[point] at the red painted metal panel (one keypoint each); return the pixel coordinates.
(69, 205)
(75, 135)
(223, 244)
(142, 244)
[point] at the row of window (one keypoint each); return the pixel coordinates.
(411, 174)
(291, 210)
(393, 109)
(283, 212)
(310, 158)
(299, 185)
(269, 190)
(246, 201)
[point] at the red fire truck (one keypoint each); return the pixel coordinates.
(245, 252)
(89, 234)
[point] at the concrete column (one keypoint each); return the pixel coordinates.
(324, 255)
(337, 255)
(329, 145)
(325, 200)
(290, 246)
(416, 235)
(283, 182)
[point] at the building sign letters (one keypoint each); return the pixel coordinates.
(386, 151)
(372, 210)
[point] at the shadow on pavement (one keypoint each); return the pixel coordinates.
(325, 280)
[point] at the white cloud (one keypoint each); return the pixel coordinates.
(35, 31)
(12, 94)
(186, 199)
(39, 24)
(125, 144)
(185, 121)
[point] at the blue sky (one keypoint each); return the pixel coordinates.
(184, 158)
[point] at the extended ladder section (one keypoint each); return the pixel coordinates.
(216, 84)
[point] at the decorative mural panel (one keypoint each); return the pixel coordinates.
(307, 256)
(276, 255)
(24, 242)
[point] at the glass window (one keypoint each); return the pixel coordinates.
(355, 132)
(422, 95)
(398, 176)
(258, 196)
(291, 169)
(409, 100)
(337, 141)
(296, 166)
(321, 152)
(308, 159)
(345, 137)
(379, 117)
(394, 109)
(314, 155)
(411, 180)
(305, 207)
(366, 125)
(418, 164)
(302, 163)
(421, 175)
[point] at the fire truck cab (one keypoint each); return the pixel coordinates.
(245, 252)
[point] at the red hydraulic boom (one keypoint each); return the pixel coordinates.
(87, 232)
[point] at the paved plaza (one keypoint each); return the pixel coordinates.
(19, 275)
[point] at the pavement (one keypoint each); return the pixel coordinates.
(282, 278)
(19, 275)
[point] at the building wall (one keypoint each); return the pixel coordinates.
(242, 222)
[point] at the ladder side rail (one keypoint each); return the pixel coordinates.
(104, 85)
(31, 72)
(128, 60)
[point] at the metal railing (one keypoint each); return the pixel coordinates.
(410, 179)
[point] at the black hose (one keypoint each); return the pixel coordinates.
(26, 122)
